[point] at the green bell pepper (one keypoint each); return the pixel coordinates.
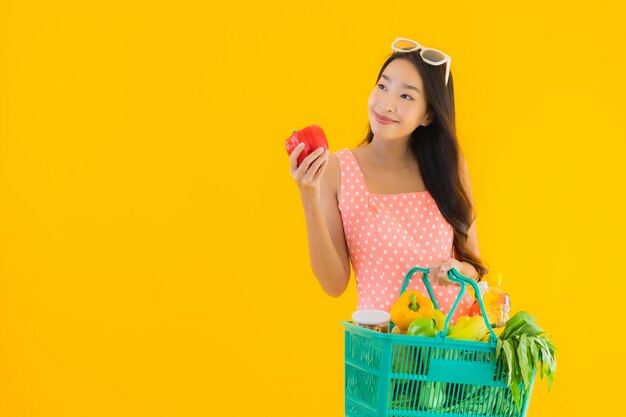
(422, 326)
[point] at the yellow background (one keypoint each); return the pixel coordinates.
(154, 259)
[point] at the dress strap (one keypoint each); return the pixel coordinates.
(352, 177)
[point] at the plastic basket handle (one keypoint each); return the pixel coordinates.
(425, 272)
(456, 277)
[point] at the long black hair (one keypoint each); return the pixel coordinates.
(437, 152)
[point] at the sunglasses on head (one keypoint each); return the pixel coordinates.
(429, 55)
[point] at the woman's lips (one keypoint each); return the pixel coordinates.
(380, 120)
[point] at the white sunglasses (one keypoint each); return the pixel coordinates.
(429, 55)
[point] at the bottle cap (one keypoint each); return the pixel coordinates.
(495, 281)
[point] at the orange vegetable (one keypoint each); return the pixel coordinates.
(410, 306)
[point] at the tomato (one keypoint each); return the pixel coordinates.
(312, 136)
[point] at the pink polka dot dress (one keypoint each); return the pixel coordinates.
(387, 235)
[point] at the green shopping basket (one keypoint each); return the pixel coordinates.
(394, 375)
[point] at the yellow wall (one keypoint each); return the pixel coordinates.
(153, 251)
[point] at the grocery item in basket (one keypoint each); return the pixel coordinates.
(432, 395)
(377, 320)
(524, 347)
(440, 319)
(475, 308)
(422, 326)
(410, 306)
(497, 302)
(469, 328)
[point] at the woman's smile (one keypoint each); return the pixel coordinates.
(383, 120)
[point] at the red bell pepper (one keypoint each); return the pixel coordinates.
(312, 136)
(474, 310)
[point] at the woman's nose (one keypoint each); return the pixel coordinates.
(386, 104)
(386, 111)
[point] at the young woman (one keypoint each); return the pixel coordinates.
(402, 198)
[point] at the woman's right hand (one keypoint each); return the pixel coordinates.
(308, 174)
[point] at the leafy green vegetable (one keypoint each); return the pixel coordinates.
(480, 400)
(432, 395)
(521, 323)
(405, 359)
(524, 347)
(458, 393)
(522, 356)
(548, 360)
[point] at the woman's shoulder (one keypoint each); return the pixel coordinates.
(331, 177)
(339, 157)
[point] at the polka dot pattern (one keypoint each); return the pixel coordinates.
(387, 235)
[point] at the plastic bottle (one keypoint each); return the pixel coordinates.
(475, 308)
(497, 302)
(482, 287)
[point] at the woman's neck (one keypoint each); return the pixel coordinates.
(391, 154)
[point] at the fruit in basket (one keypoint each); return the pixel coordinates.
(422, 326)
(410, 306)
(497, 330)
(440, 319)
(312, 137)
(469, 328)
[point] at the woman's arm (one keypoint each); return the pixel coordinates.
(328, 251)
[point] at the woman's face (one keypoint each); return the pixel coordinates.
(398, 95)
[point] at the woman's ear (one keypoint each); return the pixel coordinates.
(428, 120)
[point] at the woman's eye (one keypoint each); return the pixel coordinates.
(381, 85)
